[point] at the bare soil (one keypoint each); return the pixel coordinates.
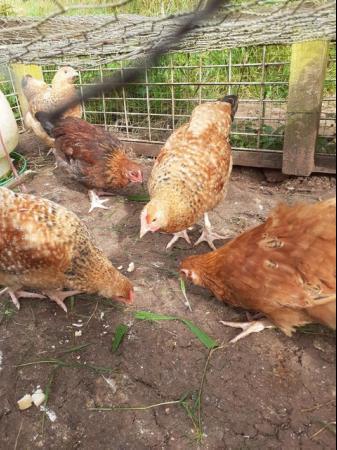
(266, 392)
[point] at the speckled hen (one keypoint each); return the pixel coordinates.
(284, 268)
(191, 174)
(45, 247)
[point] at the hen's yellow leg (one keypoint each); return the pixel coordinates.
(248, 328)
(209, 236)
(16, 295)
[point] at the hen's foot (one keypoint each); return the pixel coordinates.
(248, 328)
(20, 294)
(209, 236)
(177, 236)
(59, 297)
(96, 202)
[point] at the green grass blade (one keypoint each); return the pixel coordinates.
(140, 198)
(120, 334)
(204, 338)
(184, 291)
(75, 349)
(154, 317)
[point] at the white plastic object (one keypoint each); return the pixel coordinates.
(9, 132)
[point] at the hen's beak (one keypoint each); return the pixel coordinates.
(128, 300)
(144, 230)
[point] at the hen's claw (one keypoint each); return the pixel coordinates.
(177, 236)
(209, 236)
(248, 328)
(59, 297)
(96, 202)
(20, 294)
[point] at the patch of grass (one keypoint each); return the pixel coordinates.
(145, 7)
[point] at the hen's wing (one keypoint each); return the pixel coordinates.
(285, 268)
(87, 149)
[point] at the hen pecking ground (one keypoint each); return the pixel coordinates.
(266, 392)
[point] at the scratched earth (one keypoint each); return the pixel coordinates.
(266, 392)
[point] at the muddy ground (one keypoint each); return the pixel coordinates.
(266, 392)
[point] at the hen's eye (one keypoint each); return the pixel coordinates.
(154, 220)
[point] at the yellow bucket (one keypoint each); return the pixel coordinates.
(9, 132)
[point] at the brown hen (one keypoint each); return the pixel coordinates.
(190, 176)
(45, 247)
(285, 269)
(93, 156)
(43, 98)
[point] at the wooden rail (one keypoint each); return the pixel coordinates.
(262, 159)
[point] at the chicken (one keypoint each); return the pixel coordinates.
(190, 176)
(43, 98)
(92, 156)
(45, 247)
(284, 268)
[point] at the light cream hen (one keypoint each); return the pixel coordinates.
(43, 98)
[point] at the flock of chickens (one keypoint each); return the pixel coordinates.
(284, 268)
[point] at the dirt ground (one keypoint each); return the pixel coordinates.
(266, 392)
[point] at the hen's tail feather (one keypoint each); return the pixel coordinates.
(232, 100)
(47, 125)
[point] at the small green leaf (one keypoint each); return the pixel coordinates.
(208, 342)
(120, 333)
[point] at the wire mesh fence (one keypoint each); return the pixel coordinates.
(8, 89)
(149, 110)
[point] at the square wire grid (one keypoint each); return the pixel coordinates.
(8, 89)
(149, 110)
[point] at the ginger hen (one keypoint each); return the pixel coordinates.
(43, 98)
(45, 247)
(93, 156)
(284, 268)
(191, 174)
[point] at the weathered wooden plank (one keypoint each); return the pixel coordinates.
(260, 159)
(325, 164)
(18, 72)
(265, 159)
(307, 74)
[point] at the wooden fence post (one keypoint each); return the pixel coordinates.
(307, 74)
(18, 72)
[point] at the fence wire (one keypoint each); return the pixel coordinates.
(149, 110)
